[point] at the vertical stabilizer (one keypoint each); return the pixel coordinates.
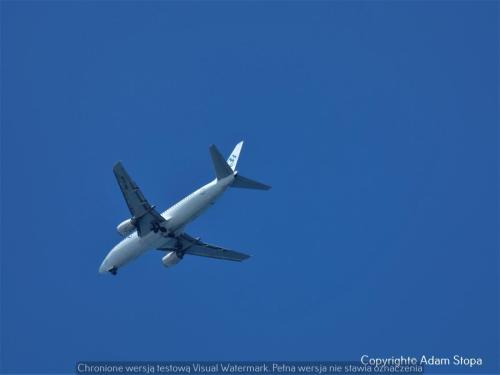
(233, 158)
(222, 169)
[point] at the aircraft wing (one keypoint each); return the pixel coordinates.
(144, 216)
(194, 246)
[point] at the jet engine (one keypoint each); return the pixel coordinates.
(125, 227)
(171, 259)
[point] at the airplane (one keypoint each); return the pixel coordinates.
(148, 229)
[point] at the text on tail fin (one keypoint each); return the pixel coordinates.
(233, 158)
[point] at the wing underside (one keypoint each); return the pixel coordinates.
(144, 216)
(193, 246)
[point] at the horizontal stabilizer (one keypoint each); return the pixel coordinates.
(243, 182)
(222, 169)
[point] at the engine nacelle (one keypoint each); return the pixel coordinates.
(171, 259)
(125, 227)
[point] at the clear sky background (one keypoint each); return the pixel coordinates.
(375, 123)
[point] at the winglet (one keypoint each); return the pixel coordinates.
(222, 169)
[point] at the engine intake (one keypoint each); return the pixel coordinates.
(126, 227)
(171, 259)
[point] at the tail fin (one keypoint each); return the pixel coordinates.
(243, 182)
(222, 169)
(233, 158)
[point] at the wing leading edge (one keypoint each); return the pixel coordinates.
(144, 216)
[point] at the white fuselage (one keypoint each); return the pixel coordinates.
(177, 217)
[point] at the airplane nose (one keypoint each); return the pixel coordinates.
(102, 268)
(105, 265)
(110, 261)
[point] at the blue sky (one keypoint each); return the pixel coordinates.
(375, 122)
